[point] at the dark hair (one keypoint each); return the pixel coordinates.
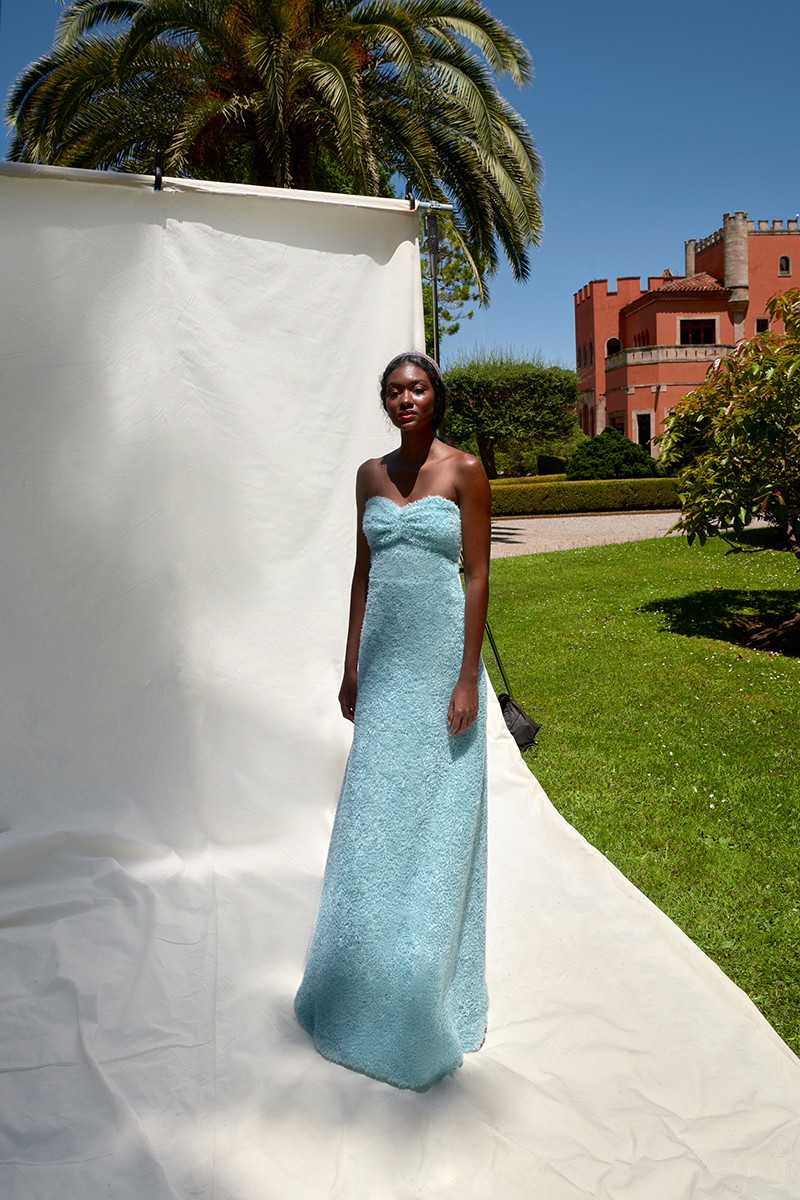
(431, 370)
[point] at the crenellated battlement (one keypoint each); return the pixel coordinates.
(792, 225)
(598, 289)
(712, 239)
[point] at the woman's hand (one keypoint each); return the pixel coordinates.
(463, 707)
(348, 693)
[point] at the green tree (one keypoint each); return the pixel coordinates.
(326, 94)
(737, 436)
(458, 281)
(610, 455)
(498, 397)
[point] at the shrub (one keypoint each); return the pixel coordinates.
(546, 463)
(610, 455)
(516, 498)
(737, 436)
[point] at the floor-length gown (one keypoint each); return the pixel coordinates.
(394, 984)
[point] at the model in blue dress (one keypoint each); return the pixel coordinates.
(394, 984)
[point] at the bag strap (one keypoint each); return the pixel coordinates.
(492, 642)
(496, 653)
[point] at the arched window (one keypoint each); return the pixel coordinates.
(613, 346)
(784, 265)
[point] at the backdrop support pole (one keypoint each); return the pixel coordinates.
(432, 235)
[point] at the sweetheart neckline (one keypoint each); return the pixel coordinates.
(410, 503)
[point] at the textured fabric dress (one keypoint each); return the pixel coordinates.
(394, 984)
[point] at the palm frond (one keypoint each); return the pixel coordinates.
(84, 15)
(333, 75)
(197, 119)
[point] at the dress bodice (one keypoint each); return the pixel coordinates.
(427, 528)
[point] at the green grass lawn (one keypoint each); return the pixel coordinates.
(672, 749)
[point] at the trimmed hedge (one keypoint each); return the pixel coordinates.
(529, 498)
(513, 480)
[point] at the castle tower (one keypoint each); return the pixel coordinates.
(734, 233)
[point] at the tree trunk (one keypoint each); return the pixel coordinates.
(486, 451)
(793, 536)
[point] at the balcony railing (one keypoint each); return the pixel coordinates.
(645, 355)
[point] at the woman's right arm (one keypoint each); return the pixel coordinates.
(358, 603)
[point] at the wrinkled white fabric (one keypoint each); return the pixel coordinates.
(188, 381)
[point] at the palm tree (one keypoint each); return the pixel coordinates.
(322, 94)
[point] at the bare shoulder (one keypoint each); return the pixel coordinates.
(367, 473)
(468, 466)
(470, 476)
(458, 461)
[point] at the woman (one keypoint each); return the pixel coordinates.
(394, 983)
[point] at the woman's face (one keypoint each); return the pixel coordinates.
(410, 398)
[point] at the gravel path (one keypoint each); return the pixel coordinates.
(535, 535)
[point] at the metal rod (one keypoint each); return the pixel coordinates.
(430, 209)
(431, 222)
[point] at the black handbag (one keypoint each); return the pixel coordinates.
(521, 726)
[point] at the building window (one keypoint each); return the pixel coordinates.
(613, 346)
(698, 332)
(643, 434)
(784, 265)
(591, 351)
(762, 324)
(617, 421)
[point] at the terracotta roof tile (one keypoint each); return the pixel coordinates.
(693, 283)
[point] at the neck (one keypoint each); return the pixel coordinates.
(415, 447)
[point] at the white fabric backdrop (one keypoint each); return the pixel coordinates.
(189, 380)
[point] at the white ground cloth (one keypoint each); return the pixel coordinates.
(188, 383)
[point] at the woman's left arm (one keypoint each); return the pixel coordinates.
(475, 502)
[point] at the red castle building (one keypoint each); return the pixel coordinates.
(640, 349)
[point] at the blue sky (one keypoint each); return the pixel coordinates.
(652, 121)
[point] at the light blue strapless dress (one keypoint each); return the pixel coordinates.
(394, 984)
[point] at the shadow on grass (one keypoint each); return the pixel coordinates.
(764, 620)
